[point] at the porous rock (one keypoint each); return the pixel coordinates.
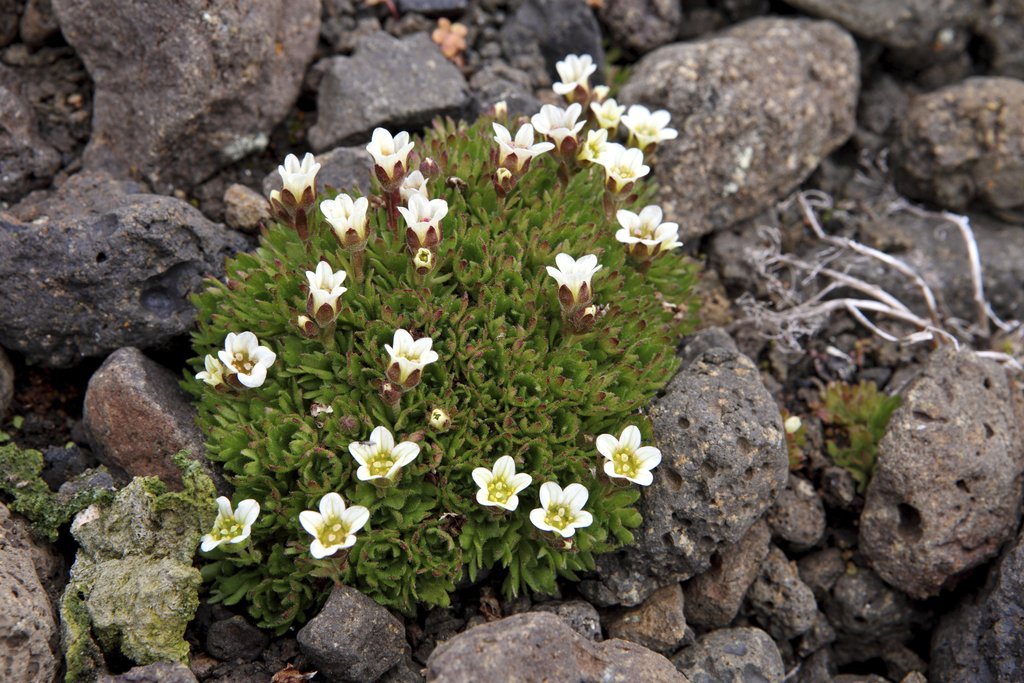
(553, 29)
(946, 490)
(29, 647)
(38, 23)
(234, 639)
(540, 646)
(353, 638)
(499, 82)
(642, 25)
(732, 655)
(6, 383)
(159, 672)
(390, 83)
(964, 144)
(982, 640)
(901, 24)
(714, 597)
(202, 90)
(798, 516)
(659, 623)
(9, 11)
(724, 461)
(783, 603)
(757, 107)
(26, 161)
(343, 168)
(1001, 28)
(581, 616)
(138, 417)
(244, 208)
(98, 265)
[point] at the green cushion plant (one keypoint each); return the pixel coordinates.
(518, 373)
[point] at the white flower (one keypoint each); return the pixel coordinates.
(388, 153)
(600, 92)
(627, 459)
(792, 424)
(214, 372)
(414, 183)
(324, 291)
(500, 484)
(561, 511)
(347, 218)
(334, 527)
(423, 216)
(558, 124)
(592, 149)
(408, 358)
(573, 277)
(644, 234)
(522, 149)
(607, 113)
(575, 71)
(299, 177)
(380, 458)
(647, 128)
(245, 359)
(622, 167)
(231, 526)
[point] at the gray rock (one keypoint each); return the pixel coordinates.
(205, 87)
(820, 571)
(798, 516)
(642, 25)
(160, 672)
(964, 144)
(6, 383)
(902, 24)
(138, 417)
(498, 82)
(385, 83)
(26, 161)
(724, 462)
(867, 615)
(97, 266)
(353, 638)
(539, 646)
(245, 209)
(434, 8)
(235, 639)
(9, 11)
(38, 22)
(29, 647)
(817, 668)
(1001, 28)
(64, 463)
(658, 624)
(757, 107)
(732, 655)
(343, 168)
(714, 598)
(819, 635)
(581, 616)
(982, 641)
(946, 490)
(782, 603)
(553, 29)
(406, 671)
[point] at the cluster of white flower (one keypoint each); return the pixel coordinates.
(243, 363)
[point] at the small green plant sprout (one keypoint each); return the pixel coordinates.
(334, 527)
(231, 528)
(626, 458)
(855, 417)
(561, 511)
(428, 352)
(796, 438)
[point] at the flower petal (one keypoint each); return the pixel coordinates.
(520, 482)
(318, 551)
(247, 512)
(537, 516)
(209, 543)
(311, 521)
(224, 507)
(575, 496)
(607, 445)
(405, 452)
(583, 519)
(504, 467)
(482, 477)
(355, 518)
(255, 378)
(630, 437)
(648, 456)
(549, 491)
(643, 478)
(383, 438)
(331, 505)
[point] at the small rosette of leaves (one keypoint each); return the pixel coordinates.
(855, 418)
(512, 377)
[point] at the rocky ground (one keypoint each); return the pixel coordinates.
(137, 143)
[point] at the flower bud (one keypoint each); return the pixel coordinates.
(307, 327)
(793, 424)
(429, 168)
(389, 393)
(423, 261)
(440, 420)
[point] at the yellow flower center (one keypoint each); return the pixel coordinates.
(225, 528)
(559, 516)
(499, 490)
(626, 463)
(380, 463)
(333, 532)
(243, 363)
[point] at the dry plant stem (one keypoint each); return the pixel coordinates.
(846, 280)
(898, 265)
(963, 224)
